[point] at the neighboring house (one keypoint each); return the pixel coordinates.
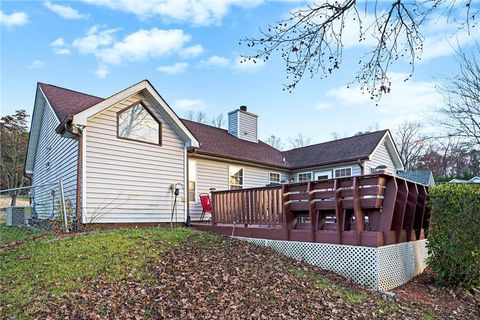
(473, 180)
(125, 155)
(420, 176)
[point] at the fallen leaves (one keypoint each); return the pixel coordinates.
(210, 278)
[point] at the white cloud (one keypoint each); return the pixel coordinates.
(35, 64)
(58, 43)
(322, 105)
(238, 64)
(94, 39)
(196, 12)
(60, 47)
(444, 44)
(140, 45)
(192, 51)
(408, 100)
(61, 51)
(101, 72)
(177, 68)
(12, 20)
(65, 12)
(216, 61)
(190, 104)
(143, 44)
(247, 65)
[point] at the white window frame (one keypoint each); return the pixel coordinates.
(243, 176)
(306, 172)
(327, 173)
(196, 180)
(279, 177)
(335, 172)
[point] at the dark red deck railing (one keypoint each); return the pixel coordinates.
(254, 206)
(371, 210)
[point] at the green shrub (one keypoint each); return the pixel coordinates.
(454, 235)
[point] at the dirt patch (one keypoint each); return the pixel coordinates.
(209, 279)
(423, 290)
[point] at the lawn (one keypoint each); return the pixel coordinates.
(10, 234)
(33, 269)
(180, 273)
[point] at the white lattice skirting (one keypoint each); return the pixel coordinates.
(381, 268)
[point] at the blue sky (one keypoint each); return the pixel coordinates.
(190, 51)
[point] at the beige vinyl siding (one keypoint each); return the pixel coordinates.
(129, 181)
(62, 154)
(233, 123)
(380, 156)
(247, 126)
(214, 174)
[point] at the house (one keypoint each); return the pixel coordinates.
(420, 176)
(129, 158)
(472, 180)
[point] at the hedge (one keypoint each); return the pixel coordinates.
(454, 235)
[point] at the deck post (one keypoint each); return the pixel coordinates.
(311, 210)
(357, 211)
(339, 210)
(410, 210)
(420, 211)
(386, 216)
(399, 210)
(286, 212)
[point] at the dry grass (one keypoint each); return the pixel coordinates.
(5, 202)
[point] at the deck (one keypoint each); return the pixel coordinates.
(370, 210)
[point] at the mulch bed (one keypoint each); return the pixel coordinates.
(423, 290)
(205, 280)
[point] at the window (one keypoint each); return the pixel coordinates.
(274, 177)
(236, 177)
(304, 176)
(137, 123)
(192, 180)
(343, 172)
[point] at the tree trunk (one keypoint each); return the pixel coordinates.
(14, 200)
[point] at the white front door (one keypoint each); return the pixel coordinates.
(321, 175)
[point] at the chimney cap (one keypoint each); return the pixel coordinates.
(243, 108)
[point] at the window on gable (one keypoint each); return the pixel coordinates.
(137, 123)
(236, 177)
(343, 172)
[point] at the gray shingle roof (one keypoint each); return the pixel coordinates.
(421, 176)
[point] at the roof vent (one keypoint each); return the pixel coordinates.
(243, 108)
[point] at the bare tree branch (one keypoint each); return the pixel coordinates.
(311, 39)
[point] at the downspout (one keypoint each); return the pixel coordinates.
(65, 128)
(78, 212)
(362, 167)
(188, 152)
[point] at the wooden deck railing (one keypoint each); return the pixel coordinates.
(372, 210)
(254, 206)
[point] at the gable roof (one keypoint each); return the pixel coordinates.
(66, 102)
(218, 142)
(421, 176)
(341, 150)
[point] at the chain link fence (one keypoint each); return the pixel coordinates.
(38, 209)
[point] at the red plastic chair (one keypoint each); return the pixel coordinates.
(206, 205)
